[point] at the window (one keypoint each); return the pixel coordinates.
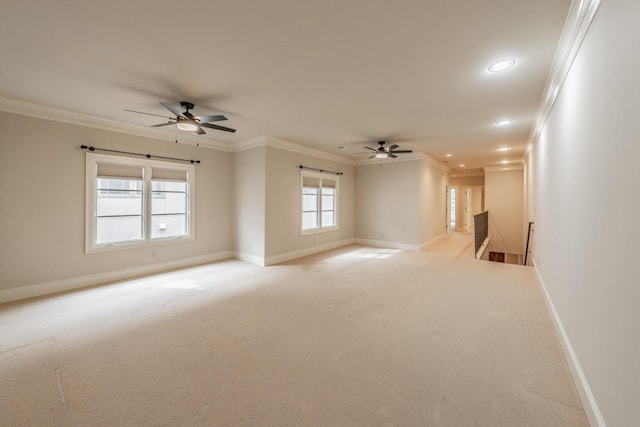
(319, 204)
(137, 202)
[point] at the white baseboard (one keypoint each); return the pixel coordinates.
(589, 403)
(432, 241)
(390, 245)
(251, 259)
(62, 285)
(277, 259)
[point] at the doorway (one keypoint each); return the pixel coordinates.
(473, 205)
(453, 212)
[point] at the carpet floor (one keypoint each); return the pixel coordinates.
(356, 336)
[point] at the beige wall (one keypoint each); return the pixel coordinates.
(388, 202)
(249, 186)
(402, 202)
(42, 185)
(581, 173)
(433, 200)
(283, 203)
(462, 181)
(504, 195)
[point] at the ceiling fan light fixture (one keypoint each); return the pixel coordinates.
(187, 126)
(502, 65)
(382, 155)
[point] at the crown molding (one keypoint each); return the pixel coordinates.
(405, 158)
(581, 15)
(268, 141)
(478, 172)
(249, 144)
(301, 149)
(15, 106)
(504, 168)
(433, 162)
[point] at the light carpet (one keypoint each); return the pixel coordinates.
(356, 336)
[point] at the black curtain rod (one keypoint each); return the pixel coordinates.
(148, 156)
(320, 170)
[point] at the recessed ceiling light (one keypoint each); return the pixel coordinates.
(502, 65)
(448, 155)
(503, 149)
(461, 166)
(504, 122)
(505, 162)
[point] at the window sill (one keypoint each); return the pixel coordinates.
(318, 230)
(137, 245)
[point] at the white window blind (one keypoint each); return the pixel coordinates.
(318, 206)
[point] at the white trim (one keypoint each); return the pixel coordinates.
(277, 259)
(581, 15)
(15, 106)
(390, 245)
(249, 144)
(251, 259)
(517, 167)
(404, 158)
(432, 241)
(582, 385)
(483, 248)
(472, 171)
(433, 162)
(308, 151)
(281, 144)
(62, 285)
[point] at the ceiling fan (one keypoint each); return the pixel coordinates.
(383, 152)
(186, 121)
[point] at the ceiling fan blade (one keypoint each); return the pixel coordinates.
(393, 156)
(393, 147)
(200, 131)
(209, 119)
(210, 126)
(163, 124)
(372, 156)
(171, 108)
(148, 114)
(403, 151)
(369, 148)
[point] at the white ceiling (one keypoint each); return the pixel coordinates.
(322, 74)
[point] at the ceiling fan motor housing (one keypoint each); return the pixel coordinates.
(186, 105)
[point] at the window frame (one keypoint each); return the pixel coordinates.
(147, 166)
(336, 209)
